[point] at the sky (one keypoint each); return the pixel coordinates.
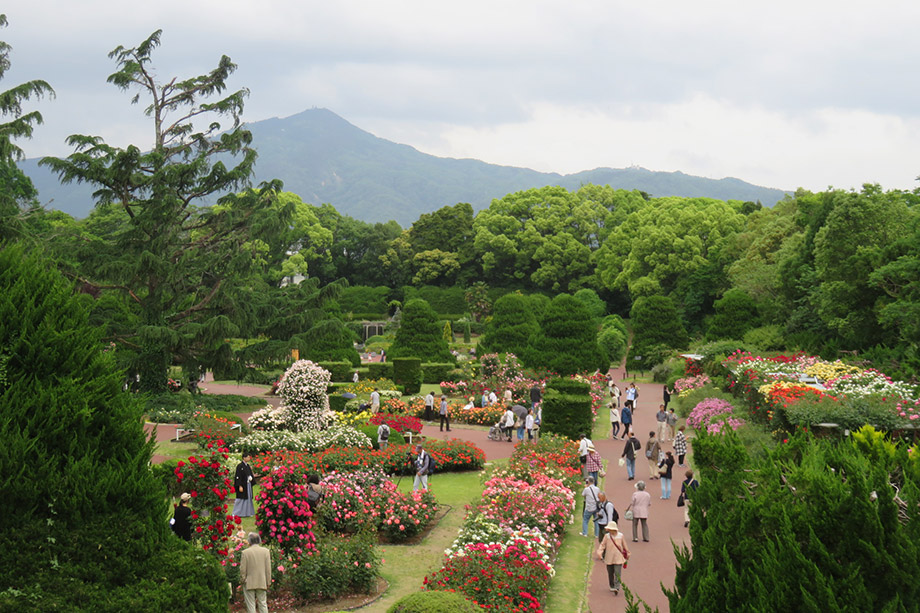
(782, 94)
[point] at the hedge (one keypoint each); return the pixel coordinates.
(341, 371)
(434, 602)
(435, 372)
(380, 370)
(407, 372)
(567, 408)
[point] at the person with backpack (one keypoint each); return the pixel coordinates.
(686, 493)
(315, 492)
(606, 513)
(424, 466)
(591, 495)
(383, 436)
(629, 453)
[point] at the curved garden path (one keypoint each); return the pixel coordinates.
(651, 565)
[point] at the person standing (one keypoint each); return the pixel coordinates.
(354, 377)
(614, 421)
(632, 395)
(640, 503)
(508, 396)
(661, 419)
(672, 423)
(616, 393)
(242, 485)
(652, 449)
(666, 396)
(255, 574)
(383, 436)
(606, 513)
(528, 424)
(422, 468)
(375, 401)
(665, 468)
(429, 406)
(629, 452)
(444, 413)
(493, 399)
(591, 495)
(535, 396)
(614, 552)
(485, 398)
(507, 423)
(680, 445)
(583, 443)
(182, 518)
(626, 417)
(686, 493)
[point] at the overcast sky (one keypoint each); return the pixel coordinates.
(783, 94)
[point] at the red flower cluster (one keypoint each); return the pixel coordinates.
(400, 423)
(208, 482)
(284, 514)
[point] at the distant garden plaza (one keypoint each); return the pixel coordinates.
(189, 387)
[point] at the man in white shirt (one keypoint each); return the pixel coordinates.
(375, 401)
(492, 398)
(507, 423)
(422, 460)
(429, 406)
(583, 443)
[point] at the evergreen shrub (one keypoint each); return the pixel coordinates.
(379, 370)
(339, 565)
(407, 373)
(340, 371)
(434, 602)
(567, 408)
(434, 372)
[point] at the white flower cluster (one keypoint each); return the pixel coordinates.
(269, 418)
(389, 395)
(303, 390)
(481, 529)
(870, 382)
(311, 440)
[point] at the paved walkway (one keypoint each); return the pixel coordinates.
(650, 564)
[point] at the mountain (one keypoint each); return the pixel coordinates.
(323, 158)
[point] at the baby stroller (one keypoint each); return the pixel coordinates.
(495, 432)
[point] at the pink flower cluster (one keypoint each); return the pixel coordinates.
(713, 414)
(691, 383)
(283, 514)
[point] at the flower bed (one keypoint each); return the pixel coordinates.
(399, 423)
(713, 415)
(310, 440)
(502, 557)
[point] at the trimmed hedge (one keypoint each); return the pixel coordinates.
(434, 602)
(337, 403)
(435, 372)
(407, 372)
(340, 371)
(380, 370)
(567, 408)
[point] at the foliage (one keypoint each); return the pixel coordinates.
(87, 466)
(419, 335)
(339, 565)
(567, 408)
(407, 373)
(434, 602)
(176, 273)
(735, 314)
(567, 340)
(511, 326)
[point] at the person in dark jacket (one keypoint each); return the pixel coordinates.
(182, 518)
(242, 485)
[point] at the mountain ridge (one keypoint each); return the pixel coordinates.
(325, 159)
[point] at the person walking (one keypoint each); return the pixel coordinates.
(444, 413)
(592, 496)
(614, 421)
(614, 552)
(680, 445)
(686, 493)
(616, 393)
(528, 424)
(665, 468)
(629, 453)
(626, 417)
(594, 466)
(242, 485)
(255, 574)
(652, 449)
(632, 394)
(661, 423)
(429, 406)
(666, 396)
(639, 505)
(606, 513)
(375, 401)
(535, 395)
(583, 443)
(422, 468)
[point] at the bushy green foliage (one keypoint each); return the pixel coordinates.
(407, 372)
(735, 314)
(86, 466)
(443, 300)
(811, 525)
(434, 373)
(364, 299)
(419, 335)
(567, 340)
(567, 408)
(765, 338)
(511, 327)
(592, 302)
(340, 565)
(340, 371)
(380, 370)
(371, 431)
(434, 602)
(655, 320)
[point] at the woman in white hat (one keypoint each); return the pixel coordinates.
(182, 518)
(614, 552)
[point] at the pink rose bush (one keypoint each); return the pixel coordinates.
(283, 516)
(712, 415)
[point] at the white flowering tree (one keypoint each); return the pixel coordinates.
(303, 392)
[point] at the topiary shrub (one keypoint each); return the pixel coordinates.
(419, 335)
(379, 370)
(567, 340)
(407, 373)
(434, 602)
(303, 389)
(435, 372)
(339, 371)
(567, 408)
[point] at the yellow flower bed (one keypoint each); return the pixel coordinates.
(775, 385)
(825, 371)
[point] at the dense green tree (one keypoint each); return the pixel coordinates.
(419, 335)
(899, 279)
(477, 298)
(592, 301)
(612, 338)
(511, 327)
(657, 330)
(89, 530)
(566, 342)
(179, 267)
(812, 525)
(358, 251)
(17, 194)
(736, 313)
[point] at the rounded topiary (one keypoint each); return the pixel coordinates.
(303, 390)
(434, 602)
